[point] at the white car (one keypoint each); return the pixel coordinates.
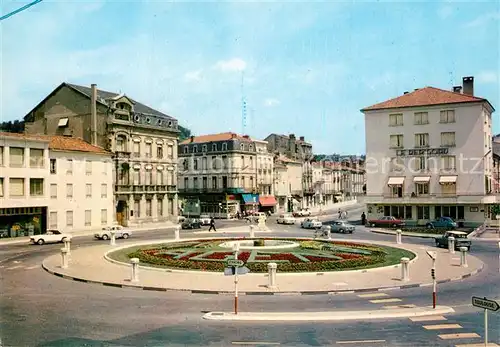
(285, 219)
(51, 236)
(311, 223)
(204, 219)
(120, 232)
(302, 213)
(254, 218)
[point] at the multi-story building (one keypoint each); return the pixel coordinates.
(218, 174)
(264, 176)
(288, 184)
(436, 159)
(289, 146)
(143, 141)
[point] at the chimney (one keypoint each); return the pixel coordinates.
(233, 135)
(405, 93)
(93, 114)
(457, 89)
(292, 136)
(302, 138)
(192, 139)
(468, 85)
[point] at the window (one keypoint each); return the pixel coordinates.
(88, 218)
(396, 119)
(204, 163)
(408, 212)
(421, 163)
(16, 157)
(449, 162)
(195, 183)
(214, 182)
(243, 162)
(224, 182)
(172, 180)
(204, 148)
(105, 168)
(448, 139)
(137, 208)
(104, 216)
(149, 177)
(159, 151)
(69, 191)
(36, 186)
(224, 162)
(148, 207)
(421, 118)
(186, 182)
(224, 146)
(159, 207)
(69, 218)
(421, 188)
(104, 190)
(242, 147)
(88, 167)
(120, 144)
(36, 158)
(449, 189)
(421, 140)
(69, 167)
(1, 155)
(137, 149)
(214, 147)
(53, 166)
(251, 182)
(53, 191)
(195, 163)
(63, 122)
(397, 164)
(195, 148)
(149, 150)
(88, 190)
(1, 186)
(16, 187)
(205, 183)
(186, 149)
(396, 141)
(251, 162)
(214, 162)
(159, 177)
(447, 116)
(137, 176)
(53, 220)
(423, 212)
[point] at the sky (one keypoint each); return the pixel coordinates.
(305, 68)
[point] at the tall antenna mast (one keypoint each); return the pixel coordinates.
(243, 105)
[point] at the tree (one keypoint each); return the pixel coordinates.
(185, 133)
(12, 127)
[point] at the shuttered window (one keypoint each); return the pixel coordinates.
(16, 187)
(16, 157)
(104, 217)
(88, 190)
(69, 191)
(88, 218)
(104, 190)
(36, 186)
(36, 158)
(88, 167)
(69, 218)
(53, 191)
(53, 220)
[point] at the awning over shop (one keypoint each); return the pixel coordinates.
(267, 200)
(447, 179)
(422, 179)
(396, 181)
(250, 199)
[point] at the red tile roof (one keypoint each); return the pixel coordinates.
(425, 97)
(216, 137)
(60, 143)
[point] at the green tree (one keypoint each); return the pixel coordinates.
(12, 127)
(185, 133)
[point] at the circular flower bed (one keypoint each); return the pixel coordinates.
(308, 256)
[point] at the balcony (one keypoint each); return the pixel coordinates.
(434, 198)
(138, 188)
(161, 188)
(297, 192)
(308, 191)
(123, 188)
(172, 188)
(122, 154)
(150, 188)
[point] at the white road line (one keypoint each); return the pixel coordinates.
(339, 283)
(14, 267)
(490, 344)
(399, 306)
(33, 267)
(250, 343)
(427, 318)
(442, 326)
(373, 295)
(380, 301)
(458, 336)
(359, 341)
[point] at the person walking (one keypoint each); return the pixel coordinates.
(363, 218)
(340, 213)
(212, 224)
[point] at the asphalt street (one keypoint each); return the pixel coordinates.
(39, 309)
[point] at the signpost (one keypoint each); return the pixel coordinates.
(235, 262)
(487, 305)
(433, 255)
(235, 267)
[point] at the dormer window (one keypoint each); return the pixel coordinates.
(224, 146)
(204, 148)
(186, 149)
(242, 147)
(250, 147)
(123, 106)
(195, 149)
(214, 147)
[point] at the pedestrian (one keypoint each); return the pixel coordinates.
(212, 224)
(340, 213)
(345, 214)
(363, 218)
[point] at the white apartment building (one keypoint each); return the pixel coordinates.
(264, 176)
(80, 186)
(288, 184)
(23, 184)
(429, 155)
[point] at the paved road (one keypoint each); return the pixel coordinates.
(39, 309)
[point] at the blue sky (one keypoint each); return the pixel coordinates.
(309, 67)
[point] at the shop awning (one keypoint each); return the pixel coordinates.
(396, 181)
(447, 179)
(267, 200)
(250, 199)
(422, 179)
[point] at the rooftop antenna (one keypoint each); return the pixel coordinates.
(243, 105)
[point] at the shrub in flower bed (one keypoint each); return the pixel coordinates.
(278, 257)
(218, 255)
(259, 243)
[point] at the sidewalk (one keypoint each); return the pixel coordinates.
(404, 233)
(487, 234)
(89, 265)
(346, 205)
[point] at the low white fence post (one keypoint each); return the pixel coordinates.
(463, 257)
(271, 269)
(398, 236)
(451, 244)
(405, 269)
(112, 241)
(67, 245)
(135, 269)
(328, 232)
(252, 231)
(64, 258)
(177, 233)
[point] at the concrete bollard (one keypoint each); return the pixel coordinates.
(328, 232)
(463, 257)
(451, 245)
(135, 269)
(177, 233)
(112, 240)
(64, 258)
(271, 269)
(67, 245)
(405, 269)
(252, 231)
(398, 236)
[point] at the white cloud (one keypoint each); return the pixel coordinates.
(487, 76)
(483, 20)
(193, 76)
(231, 65)
(271, 102)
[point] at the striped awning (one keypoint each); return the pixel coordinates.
(396, 181)
(447, 179)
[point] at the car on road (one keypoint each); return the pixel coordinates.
(120, 233)
(304, 212)
(191, 223)
(254, 218)
(340, 226)
(387, 222)
(285, 219)
(51, 236)
(461, 240)
(205, 219)
(311, 223)
(441, 222)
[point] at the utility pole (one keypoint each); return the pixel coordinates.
(243, 105)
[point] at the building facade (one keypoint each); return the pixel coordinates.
(288, 184)
(436, 159)
(143, 142)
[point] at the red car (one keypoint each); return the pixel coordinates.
(386, 221)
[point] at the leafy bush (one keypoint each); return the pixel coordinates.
(259, 243)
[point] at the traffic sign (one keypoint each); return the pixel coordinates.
(231, 271)
(235, 262)
(485, 303)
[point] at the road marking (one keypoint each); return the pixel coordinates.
(458, 336)
(442, 326)
(399, 306)
(248, 343)
(373, 295)
(32, 267)
(380, 301)
(359, 341)
(427, 318)
(490, 344)
(14, 267)
(339, 284)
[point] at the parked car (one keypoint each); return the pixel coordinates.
(461, 240)
(254, 218)
(386, 221)
(50, 236)
(180, 219)
(442, 222)
(302, 213)
(285, 219)
(120, 233)
(205, 219)
(340, 226)
(191, 223)
(311, 223)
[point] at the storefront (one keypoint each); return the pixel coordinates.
(267, 203)
(22, 221)
(249, 203)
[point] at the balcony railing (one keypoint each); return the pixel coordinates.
(123, 188)
(426, 196)
(122, 154)
(171, 188)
